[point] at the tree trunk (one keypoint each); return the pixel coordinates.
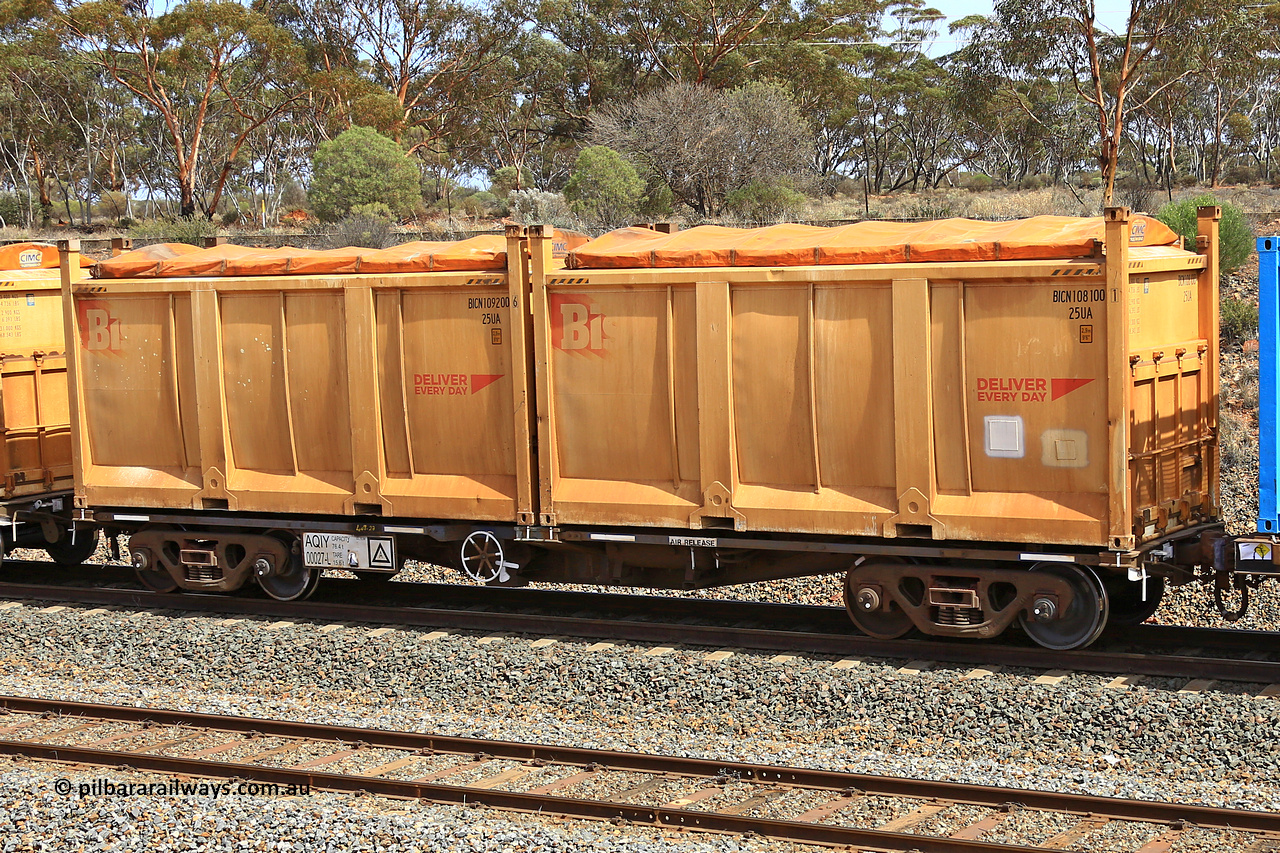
(46, 203)
(187, 208)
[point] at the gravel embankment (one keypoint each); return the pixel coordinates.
(1148, 741)
(35, 817)
(1214, 746)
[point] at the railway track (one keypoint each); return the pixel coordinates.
(1145, 650)
(784, 803)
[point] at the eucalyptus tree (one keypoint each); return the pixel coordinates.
(1062, 42)
(211, 72)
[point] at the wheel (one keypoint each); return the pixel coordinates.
(1124, 600)
(868, 615)
(482, 557)
(1082, 622)
(69, 555)
(153, 577)
(293, 580)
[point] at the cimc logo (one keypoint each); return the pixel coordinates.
(577, 325)
(99, 331)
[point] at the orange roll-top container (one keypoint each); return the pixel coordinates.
(349, 381)
(33, 373)
(1051, 380)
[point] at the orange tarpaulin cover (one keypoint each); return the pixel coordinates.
(871, 242)
(32, 256)
(485, 252)
(140, 261)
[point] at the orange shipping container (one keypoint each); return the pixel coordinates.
(883, 380)
(33, 373)
(393, 393)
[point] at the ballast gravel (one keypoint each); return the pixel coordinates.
(35, 816)
(1147, 742)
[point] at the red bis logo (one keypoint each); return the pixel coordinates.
(99, 331)
(577, 325)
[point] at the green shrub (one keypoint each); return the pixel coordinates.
(604, 188)
(503, 181)
(659, 201)
(13, 210)
(1242, 175)
(1235, 236)
(361, 166)
(1238, 320)
(765, 203)
(111, 204)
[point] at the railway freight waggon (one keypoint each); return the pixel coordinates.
(976, 424)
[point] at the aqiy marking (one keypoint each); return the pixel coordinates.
(693, 541)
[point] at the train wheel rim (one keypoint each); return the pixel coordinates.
(294, 585)
(1083, 621)
(156, 580)
(880, 624)
(1125, 604)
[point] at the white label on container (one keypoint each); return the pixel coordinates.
(1004, 436)
(30, 258)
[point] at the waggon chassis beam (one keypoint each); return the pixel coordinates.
(445, 532)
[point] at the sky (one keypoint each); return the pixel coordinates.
(1111, 15)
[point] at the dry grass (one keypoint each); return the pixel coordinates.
(1260, 204)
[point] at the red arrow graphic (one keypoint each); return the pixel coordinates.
(1063, 387)
(482, 380)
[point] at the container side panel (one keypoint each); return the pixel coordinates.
(854, 385)
(771, 386)
(1142, 443)
(186, 366)
(612, 398)
(456, 381)
(31, 317)
(129, 379)
(685, 347)
(318, 385)
(1036, 367)
(55, 418)
(253, 356)
(951, 449)
(1164, 308)
(1193, 397)
(392, 384)
(21, 420)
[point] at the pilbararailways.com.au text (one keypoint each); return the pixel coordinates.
(169, 787)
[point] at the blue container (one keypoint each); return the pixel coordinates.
(1268, 364)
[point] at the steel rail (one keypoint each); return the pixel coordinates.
(629, 630)
(846, 784)
(743, 613)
